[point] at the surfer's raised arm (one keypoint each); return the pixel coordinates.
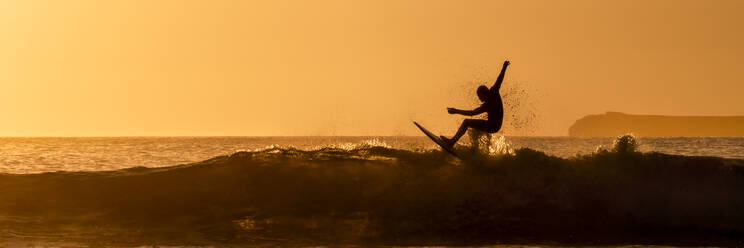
(473, 112)
(497, 85)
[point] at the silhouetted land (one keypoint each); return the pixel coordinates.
(614, 123)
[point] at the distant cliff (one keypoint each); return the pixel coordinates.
(615, 123)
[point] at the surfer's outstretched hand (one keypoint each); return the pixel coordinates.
(451, 110)
(507, 63)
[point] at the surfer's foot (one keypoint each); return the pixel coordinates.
(447, 141)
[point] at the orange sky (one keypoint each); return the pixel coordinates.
(140, 67)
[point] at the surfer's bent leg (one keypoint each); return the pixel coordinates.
(482, 125)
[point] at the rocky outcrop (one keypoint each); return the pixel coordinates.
(615, 123)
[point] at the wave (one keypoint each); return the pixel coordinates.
(371, 194)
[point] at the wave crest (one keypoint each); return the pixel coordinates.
(373, 193)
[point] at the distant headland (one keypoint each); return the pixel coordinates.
(616, 123)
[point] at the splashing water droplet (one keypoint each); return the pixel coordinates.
(491, 144)
(500, 146)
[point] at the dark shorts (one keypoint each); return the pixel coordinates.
(488, 126)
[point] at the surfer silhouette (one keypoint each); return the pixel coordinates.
(492, 105)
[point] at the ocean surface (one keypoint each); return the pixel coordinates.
(47, 154)
(370, 191)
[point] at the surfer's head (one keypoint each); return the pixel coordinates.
(482, 93)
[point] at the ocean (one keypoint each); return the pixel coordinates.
(370, 191)
(20, 155)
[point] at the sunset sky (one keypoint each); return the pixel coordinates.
(142, 67)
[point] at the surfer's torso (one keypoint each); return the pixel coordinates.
(494, 107)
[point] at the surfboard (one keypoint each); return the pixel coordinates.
(437, 140)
